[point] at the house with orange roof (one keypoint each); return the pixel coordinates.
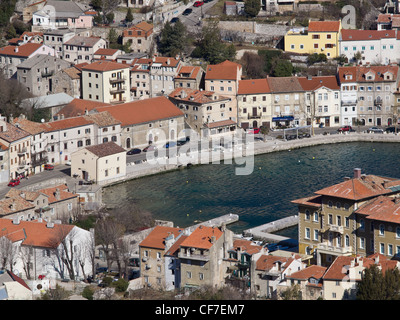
(322, 103)
(154, 120)
(139, 36)
(319, 37)
(42, 244)
(347, 78)
(12, 56)
(270, 271)
(152, 249)
(328, 219)
(376, 47)
(254, 104)
(388, 21)
(68, 81)
(106, 81)
(309, 281)
(203, 257)
(81, 49)
(107, 54)
(172, 261)
(202, 108)
(190, 77)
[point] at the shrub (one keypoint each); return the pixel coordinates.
(88, 293)
(120, 285)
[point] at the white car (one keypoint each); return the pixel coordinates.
(375, 130)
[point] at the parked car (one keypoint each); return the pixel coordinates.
(175, 19)
(149, 148)
(253, 130)
(291, 137)
(134, 151)
(187, 12)
(68, 162)
(170, 144)
(48, 167)
(183, 141)
(392, 129)
(198, 4)
(375, 130)
(14, 182)
(346, 128)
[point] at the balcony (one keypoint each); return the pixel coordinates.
(378, 102)
(258, 115)
(331, 249)
(192, 256)
(336, 228)
(118, 79)
(21, 164)
(120, 100)
(46, 73)
(22, 151)
(118, 90)
(346, 103)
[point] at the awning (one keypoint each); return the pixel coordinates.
(285, 118)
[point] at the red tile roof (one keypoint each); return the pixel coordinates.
(202, 237)
(315, 83)
(253, 86)
(77, 107)
(312, 271)
(226, 70)
(188, 72)
(313, 201)
(221, 123)
(197, 96)
(24, 51)
(156, 238)
(106, 52)
(324, 26)
(365, 35)
(387, 18)
(343, 71)
(246, 246)
(267, 262)
(66, 124)
(143, 111)
(382, 208)
(359, 73)
(33, 233)
(65, 194)
(105, 149)
(143, 26)
(174, 250)
(105, 66)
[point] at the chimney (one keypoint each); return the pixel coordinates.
(22, 195)
(357, 173)
(61, 116)
(86, 111)
(15, 220)
(50, 225)
(57, 194)
(397, 200)
(16, 49)
(213, 239)
(12, 206)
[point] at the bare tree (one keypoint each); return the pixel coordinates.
(27, 260)
(86, 251)
(8, 253)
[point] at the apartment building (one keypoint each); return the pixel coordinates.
(12, 56)
(376, 85)
(106, 81)
(190, 77)
(68, 81)
(38, 143)
(254, 104)
(18, 143)
(288, 102)
(55, 38)
(4, 163)
(347, 78)
(203, 255)
(320, 37)
(140, 79)
(99, 163)
(81, 49)
(107, 54)
(152, 250)
(370, 46)
(223, 79)
(330, 225)
(163, 71)
(37, 73)
(154, 120)
(201, 107)
(139, 36)
(322, 103)
(388, 21)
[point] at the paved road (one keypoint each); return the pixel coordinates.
(198, 12)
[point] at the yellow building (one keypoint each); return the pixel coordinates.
(321, 37)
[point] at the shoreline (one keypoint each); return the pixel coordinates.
(146, 170)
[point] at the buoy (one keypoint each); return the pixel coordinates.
(187, 181)
(313, 158)
(199, 210)
(259, 168)
(188, 214)
(373, 149)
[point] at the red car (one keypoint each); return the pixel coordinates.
(255, 130)
(13, 183)
(48, 167)
(345, 128)
(198, 3)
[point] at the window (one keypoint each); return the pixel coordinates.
(316, 234)
(362, 224)
(382, 248)
(381, 230)
(80, 143)
(316, 216)
(201, 276)
(106, 173)
(362, 243)
(307, 234)
(307, 216)
(330, 219)
(390, 249)
(188, 274)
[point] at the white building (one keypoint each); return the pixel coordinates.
(348, 91)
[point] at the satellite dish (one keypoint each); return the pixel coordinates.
(42, 120)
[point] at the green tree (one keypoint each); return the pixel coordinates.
(97, 4)
(120, 285)
(252, 7)
(316, 57)
(173, 39)
(282, 68)
(292, 293)
(88, 293)
(129, 15)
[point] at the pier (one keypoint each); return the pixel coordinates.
(264, 232)
(216, 222)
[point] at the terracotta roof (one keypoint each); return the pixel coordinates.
(382, 208)
(323, 26)
(73, 72)
(65, 194)
(312, 271)
(13, 133)
(25, 194)
(106, 52)
(221, 123)
(359, 188)
(105, 149)
(201, 237)
(174, 249)
(315, 83)
(142, 26)
(35, 233)
(12, 205)
(66, 124)
(226, 70)
(253, 86)
(378, 71)
(365, 35)
(284, 84)
(77, 107)
(387, 17)
(267, 262)
(246, 246)
(28, 126)
(25, 50)
(105, 66)
(343, 71)
(166, 61)
(313, 201)
(196, 96)
(188, 72)
(102, 119)
(143, 111)
(156, 238)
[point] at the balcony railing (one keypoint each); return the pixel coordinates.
(118, 79)
(378, 102)
(21, 164)
(120, 100)
(330, 248)
(336, 228)
(118, 89)
(200, 257)
(46, 74)
(349, 102)
(254, 116)
(22, 151)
